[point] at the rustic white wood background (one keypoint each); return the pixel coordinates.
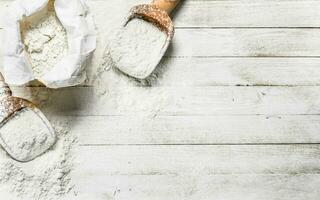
(244, 76)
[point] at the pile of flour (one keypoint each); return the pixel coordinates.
(26, 134)
(46, 42)
(47, 177)
(137, 48)
(121, 94)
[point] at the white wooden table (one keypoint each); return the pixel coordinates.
(243, 77)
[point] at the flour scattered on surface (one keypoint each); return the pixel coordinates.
(48, 177)
(122, 94)
(46, 43)
(137, 48)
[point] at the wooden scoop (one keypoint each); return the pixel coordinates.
(156, 13)
(23, 140)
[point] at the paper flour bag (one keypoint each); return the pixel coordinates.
(47, 40)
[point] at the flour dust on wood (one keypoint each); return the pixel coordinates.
(127, 95)
(134, 47)
(45, 41)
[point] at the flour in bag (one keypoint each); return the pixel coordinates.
(136, 47)
(46, 42)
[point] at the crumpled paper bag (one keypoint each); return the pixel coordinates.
(75, 17)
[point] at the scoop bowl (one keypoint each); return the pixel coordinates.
(20, 146)
(160, 19)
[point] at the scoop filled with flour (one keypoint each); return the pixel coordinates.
(49, 177)
(45, 41)
(137, 48)
(25, 133)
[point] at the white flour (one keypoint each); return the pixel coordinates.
(124, 95)
(26, 134)
(46, 43)
(137, 47)
(45, 178)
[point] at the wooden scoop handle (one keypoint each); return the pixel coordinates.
(166, 5)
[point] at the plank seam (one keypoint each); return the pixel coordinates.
(205, 144)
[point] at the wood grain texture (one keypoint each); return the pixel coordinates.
(218, 14)
(220, 187)
(265, 13)
(246, 42)
(210, 13)
(131, 129)
(173, 72)
(236, 71)
(200, 159)
(156, 101)
(135, 170)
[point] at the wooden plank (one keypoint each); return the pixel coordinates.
(265, 13)
(233, 71)
(245, 42)
(198, 172)
(156, 101)
(131, 129)
(208, 187)
(237, 71)
(228, 13)
(208, 13)
(255, 42)
(229, 72)
(199, 159)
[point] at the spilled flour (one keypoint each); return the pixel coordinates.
(121, 94)
(27, 134)
(45, 178)
(137, 48)
(46, 42)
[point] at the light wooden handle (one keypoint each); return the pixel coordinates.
(166, 5)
